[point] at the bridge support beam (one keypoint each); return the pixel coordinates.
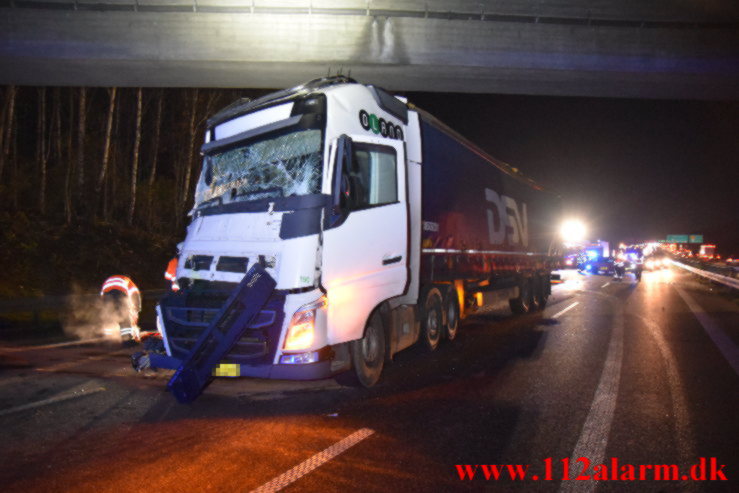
(402, 52)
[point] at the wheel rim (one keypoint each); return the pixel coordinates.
(370, 346)
(432, 324)
(451, 317)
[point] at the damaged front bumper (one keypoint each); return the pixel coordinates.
(182, 318)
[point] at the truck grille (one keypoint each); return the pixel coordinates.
(185, 322)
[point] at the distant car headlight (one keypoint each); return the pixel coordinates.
(650, 264)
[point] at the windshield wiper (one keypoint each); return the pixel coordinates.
(263, 193)
(211, 202)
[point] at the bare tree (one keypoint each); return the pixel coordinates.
(6, 126)
(81, 130)
(112, 178)
(14, 168)
(56, 125)
(106, 148)
(189, 156)
(135, 164)
(3, 116)
(154, 153)
(42, 149)
(70, 162)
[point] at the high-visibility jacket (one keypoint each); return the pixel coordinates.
(119, 283)
(126, 286)
(171, 274)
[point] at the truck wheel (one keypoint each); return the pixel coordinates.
(368, 353)
(540, 295)
(431, 319)
(451, 310)
(522, 304)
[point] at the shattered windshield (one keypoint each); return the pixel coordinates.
(270, 167)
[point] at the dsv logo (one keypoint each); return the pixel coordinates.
(506, 220)
(380, 126)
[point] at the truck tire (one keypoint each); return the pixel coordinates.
(368, 353)
(432, 323)
(451, 313)
(540, 294)
(523, 303)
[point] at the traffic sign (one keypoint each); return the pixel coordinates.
(677, 238)
(695, 239)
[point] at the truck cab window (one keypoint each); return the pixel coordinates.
(370, 179)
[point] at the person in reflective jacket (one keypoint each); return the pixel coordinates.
(122, 301)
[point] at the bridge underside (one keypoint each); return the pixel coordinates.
(229, 43)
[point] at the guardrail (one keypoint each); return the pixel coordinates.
(725, 280)
(35, 306)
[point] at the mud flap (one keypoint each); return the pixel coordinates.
(196, 370)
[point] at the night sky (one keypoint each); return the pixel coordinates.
(632, 169)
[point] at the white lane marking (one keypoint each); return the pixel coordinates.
(50, 346)
(594, 435)
(314, 462)
(606, 284)
(65, 396)
(685, 447)
(562, 312)
(718, 336)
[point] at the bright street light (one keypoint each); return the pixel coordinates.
(573, 231)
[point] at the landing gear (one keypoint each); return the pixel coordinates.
(368, 353)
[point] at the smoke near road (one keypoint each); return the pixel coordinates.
(91, 316)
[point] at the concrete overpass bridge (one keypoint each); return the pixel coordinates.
(686, 49)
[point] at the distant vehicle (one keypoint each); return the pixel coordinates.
(656, 262)
(707, 251)
(571, 261)
(599, 266)
(595, 260)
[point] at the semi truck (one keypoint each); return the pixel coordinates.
(381, 227)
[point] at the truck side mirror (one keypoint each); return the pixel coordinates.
(343, 155)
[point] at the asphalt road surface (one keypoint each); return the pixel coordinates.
(621, 374)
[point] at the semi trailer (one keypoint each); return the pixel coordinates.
(381, 227)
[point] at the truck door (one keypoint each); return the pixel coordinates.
(365, 243)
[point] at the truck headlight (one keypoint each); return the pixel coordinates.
(301, 332)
